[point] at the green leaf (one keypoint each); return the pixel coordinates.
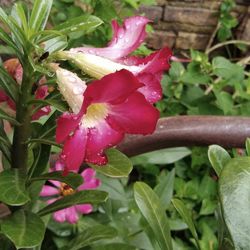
(165, 188)
(72, 179)
(185, 215)
(114, 246)
(248, 146)
(162, 156)
(55, 44)
(24, 228)
(19, 14)
(152, 210)
(40, 14)
(12, 186)
(234, 192)
(8, 84)
(81, 197)
(91, 235)
(44, 141)
(85, 23)
(6, 117)
(118, 164)
(218, 158)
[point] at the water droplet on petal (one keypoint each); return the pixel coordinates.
(72, 79)
(63, 156)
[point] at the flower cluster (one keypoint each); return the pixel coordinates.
(58, 190)
(119, 102)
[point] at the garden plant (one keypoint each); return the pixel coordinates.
(100, 137)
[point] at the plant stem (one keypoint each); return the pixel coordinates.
(23, 116)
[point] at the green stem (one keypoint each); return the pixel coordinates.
(23, 116)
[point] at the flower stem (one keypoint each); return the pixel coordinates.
(23, 116)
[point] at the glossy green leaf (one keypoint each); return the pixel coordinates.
(55, 44)
(44, 141)
(114, 246)
(19, 15)
(165, 188)
(91, 235)
(24, 229)
(12, 186)
(6, 117)
(152, 210)
(84, 23)
(185, 215)
(118, 164)
(72, 179)
(218, 158)
(40, 14)
(234, 192)
(8, 84)
(81, 197)
(162, 156)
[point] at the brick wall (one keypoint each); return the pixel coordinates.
(185, 24)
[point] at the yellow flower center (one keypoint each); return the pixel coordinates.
(95, 114)
(66, 190)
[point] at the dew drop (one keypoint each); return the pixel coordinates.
(63, 156)
(72, 79)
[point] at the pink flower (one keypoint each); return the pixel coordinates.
(98, 62)
(14, 68)
(111, 107)
(58, 190)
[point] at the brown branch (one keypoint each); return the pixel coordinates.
(229, 132)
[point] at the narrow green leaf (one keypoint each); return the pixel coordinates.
(12, 186)
(8, 84)
(6, 117)
(218, 158)
(19, 14)
(185, 215)
(58, 104)
(72, 179)
(234, 192)
(248, 146)
(152, 210)
(165, 188)
(40, 14)
(44, 141)
(24, 229)
(55, 44)
(5, 144)
(118, 164)
(81, 197)
(114, 246)
(91, 235)
(85, 23)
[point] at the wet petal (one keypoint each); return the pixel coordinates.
(152, 89)
(100, 138)
(49, 191)
(126, 39)
(135, 116)
(66, 123)
(74, 149)
(113, 88)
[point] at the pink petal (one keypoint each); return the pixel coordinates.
(41, 92)
(49, 191)
(88, 174)
(74, 149)
(100, 138)
(60, 215)
(135, 116)
(71, 215)
(152, 89)
(84, 208)
(89, 180)
(125, 39)
(66, 123)
(55, 183)
(41, 112)
(112, 88)
(3, 96)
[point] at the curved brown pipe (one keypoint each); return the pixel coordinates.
(229, 132)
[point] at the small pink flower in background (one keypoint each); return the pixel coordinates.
(109, 108)
(14, 68)
(98, 62)
(58, 190)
